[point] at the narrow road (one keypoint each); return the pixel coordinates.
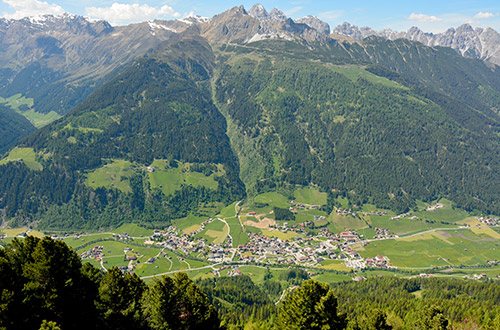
(402, 237)
(238, 215)
(283, 294)
(182, 270)
(229, 234)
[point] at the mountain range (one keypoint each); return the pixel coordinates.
(245, 102)
(480, 43)
(68, 56)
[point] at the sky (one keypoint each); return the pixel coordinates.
(430, 16)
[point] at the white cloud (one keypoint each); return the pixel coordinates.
(484, 15)
(127, 13)
(27, 8)
(293, 10)
(424, 18)
(331, 15)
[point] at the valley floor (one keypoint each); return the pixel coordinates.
(343, 245)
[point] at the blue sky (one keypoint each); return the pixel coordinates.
(430, 16)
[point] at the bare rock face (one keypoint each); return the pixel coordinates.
(259, 12)
(238, 25)
(480, 43)
(315, 23)
(353, 31)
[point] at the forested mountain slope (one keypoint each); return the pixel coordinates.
(386, 122)
(13, 127)
(348, 130)
(160, 108)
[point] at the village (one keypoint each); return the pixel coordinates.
(305, 249)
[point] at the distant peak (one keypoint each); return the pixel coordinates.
(191, 18)
(257, 11)
(465, 28)
(238, 9)
(276, 13)
(315, 23)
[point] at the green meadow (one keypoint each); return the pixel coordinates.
(170, 179)
(310, 196)
(238, 232)
(273, 199)
(354, 73)
(40, 119)
(133, 230)
(113, 175)
(339, 223)
(215, 232)
(434, 249)
(25, 107)
(447, 213)
(26, 155)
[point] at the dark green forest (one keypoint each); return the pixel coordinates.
(44, 285)
(153, 110)
(13, 127)
(371, 141)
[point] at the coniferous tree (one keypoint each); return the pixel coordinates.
(432, 319)
(312, 306)
(372, 320)
(177, 303)
(120, 300)
(44, 277)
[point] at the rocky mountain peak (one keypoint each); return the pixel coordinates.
(353, 31)
(277, 15)
(237, 10)
(258, 11)
(483, 44)
(315, 23)
(465, 28)
(194, 19)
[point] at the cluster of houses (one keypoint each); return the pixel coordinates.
(349, 236)
(123, 236)
(234, 271)
(476, 276)
(383, 233)
(347, 252)
(173, 241)
(378, 261)
(434, 207)
(379, 213)
(346, 212)
(306, 250)
(295, 206)
(93, 253)
(489, 221)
